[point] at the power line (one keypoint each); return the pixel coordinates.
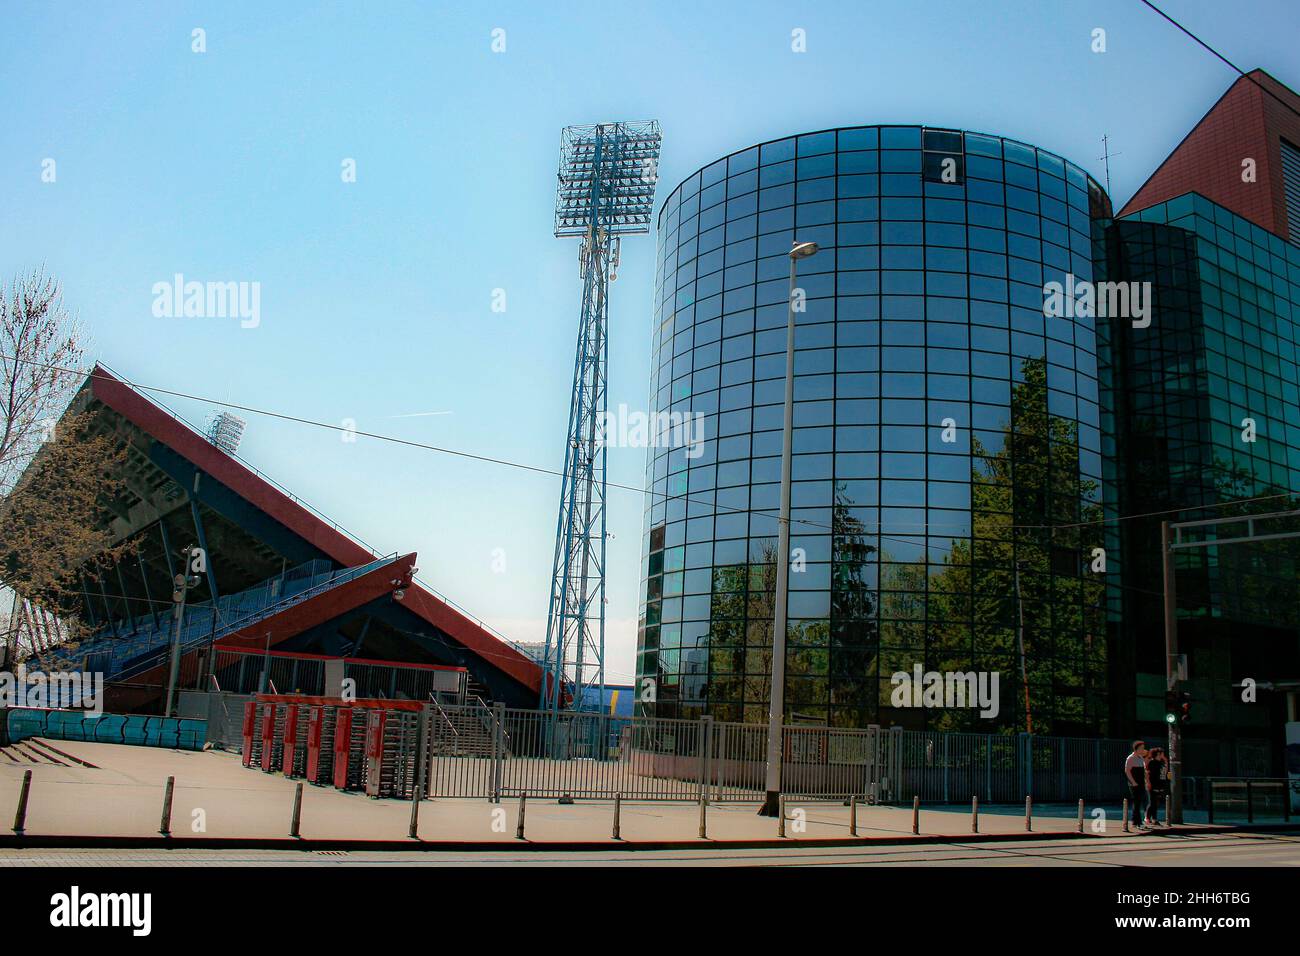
(877, 532)
(1232, 66)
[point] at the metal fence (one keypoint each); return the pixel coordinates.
(1243, 799)
(999, 768)
(490, 752)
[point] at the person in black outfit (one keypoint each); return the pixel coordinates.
(1157, 784)
(1135, 774)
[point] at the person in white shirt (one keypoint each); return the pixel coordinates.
(1135, 773)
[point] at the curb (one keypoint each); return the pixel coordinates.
(28, 841)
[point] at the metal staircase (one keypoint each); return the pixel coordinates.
(119, 659)
(464, 730)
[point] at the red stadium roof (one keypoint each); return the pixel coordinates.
(258, 491)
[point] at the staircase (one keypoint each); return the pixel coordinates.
(458, 733)
(31, 751)
(120, 658)
(465, 730)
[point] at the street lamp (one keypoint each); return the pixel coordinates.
(776, 708)
(193, 559)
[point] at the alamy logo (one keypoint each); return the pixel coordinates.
(1079, 298)
(67, 690)
(74, 908)
(953, 689)
(208, 300)
(623, 428)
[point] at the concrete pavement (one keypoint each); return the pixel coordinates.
(217, 798)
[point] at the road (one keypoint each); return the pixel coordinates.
(1224, 850)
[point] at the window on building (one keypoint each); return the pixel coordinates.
(943, 159)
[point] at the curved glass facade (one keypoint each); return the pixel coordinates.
(947, 457)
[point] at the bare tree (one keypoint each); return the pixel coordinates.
(40, 353)
(55, 472)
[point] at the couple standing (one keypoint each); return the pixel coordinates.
(1147, 773)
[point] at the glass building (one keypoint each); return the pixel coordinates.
(1202, 417)
(947, 469)
(1201, 420)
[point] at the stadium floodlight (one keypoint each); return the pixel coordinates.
(607, 179)
(226, 431)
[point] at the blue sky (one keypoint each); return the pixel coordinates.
(376, 295)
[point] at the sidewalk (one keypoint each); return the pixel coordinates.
(216, 798)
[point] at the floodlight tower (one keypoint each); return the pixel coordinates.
(606, 191)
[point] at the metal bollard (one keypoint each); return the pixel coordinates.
(780, 827)
(916, 815)
(704, 833)
(1168, 804)
(1029, 814)
(1126, 814)
(975, 813)
(618, 808)
(523, 805)
(1080, 814)
(853, 815)
(295, 824)
(418, 784)
(20, 818)
(166, 828)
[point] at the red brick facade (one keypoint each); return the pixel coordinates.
(1246, 123)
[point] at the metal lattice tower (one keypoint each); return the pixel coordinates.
(606, 190)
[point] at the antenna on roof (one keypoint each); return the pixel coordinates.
(1106, 154)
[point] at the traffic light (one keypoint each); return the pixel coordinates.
(1178, 707)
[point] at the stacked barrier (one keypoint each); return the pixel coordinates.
(252, 752)
(320, 744)
(270, 746)
(349, 748)
(392, 745)
(372, 746)
(294, 762)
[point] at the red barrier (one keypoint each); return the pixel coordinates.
(268, 737)
(315, 724)
(290, 740)
(250, 722)
(342, 743)
(354, 745)
(374, 750)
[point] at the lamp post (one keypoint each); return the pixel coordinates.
(776, 709)
(182, 583)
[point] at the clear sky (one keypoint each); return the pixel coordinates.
(376, 295)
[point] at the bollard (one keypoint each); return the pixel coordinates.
(523, 805)
(704, 834)
(166, 828)
(1080, 814)
(417, 785)
(853, 815)
(20, 818)
(975, 814)
(780, 827)
(296, 824)
(618, 806)
(1126, 814)
(1168, 798)
(1029, 814)
(916, 815)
